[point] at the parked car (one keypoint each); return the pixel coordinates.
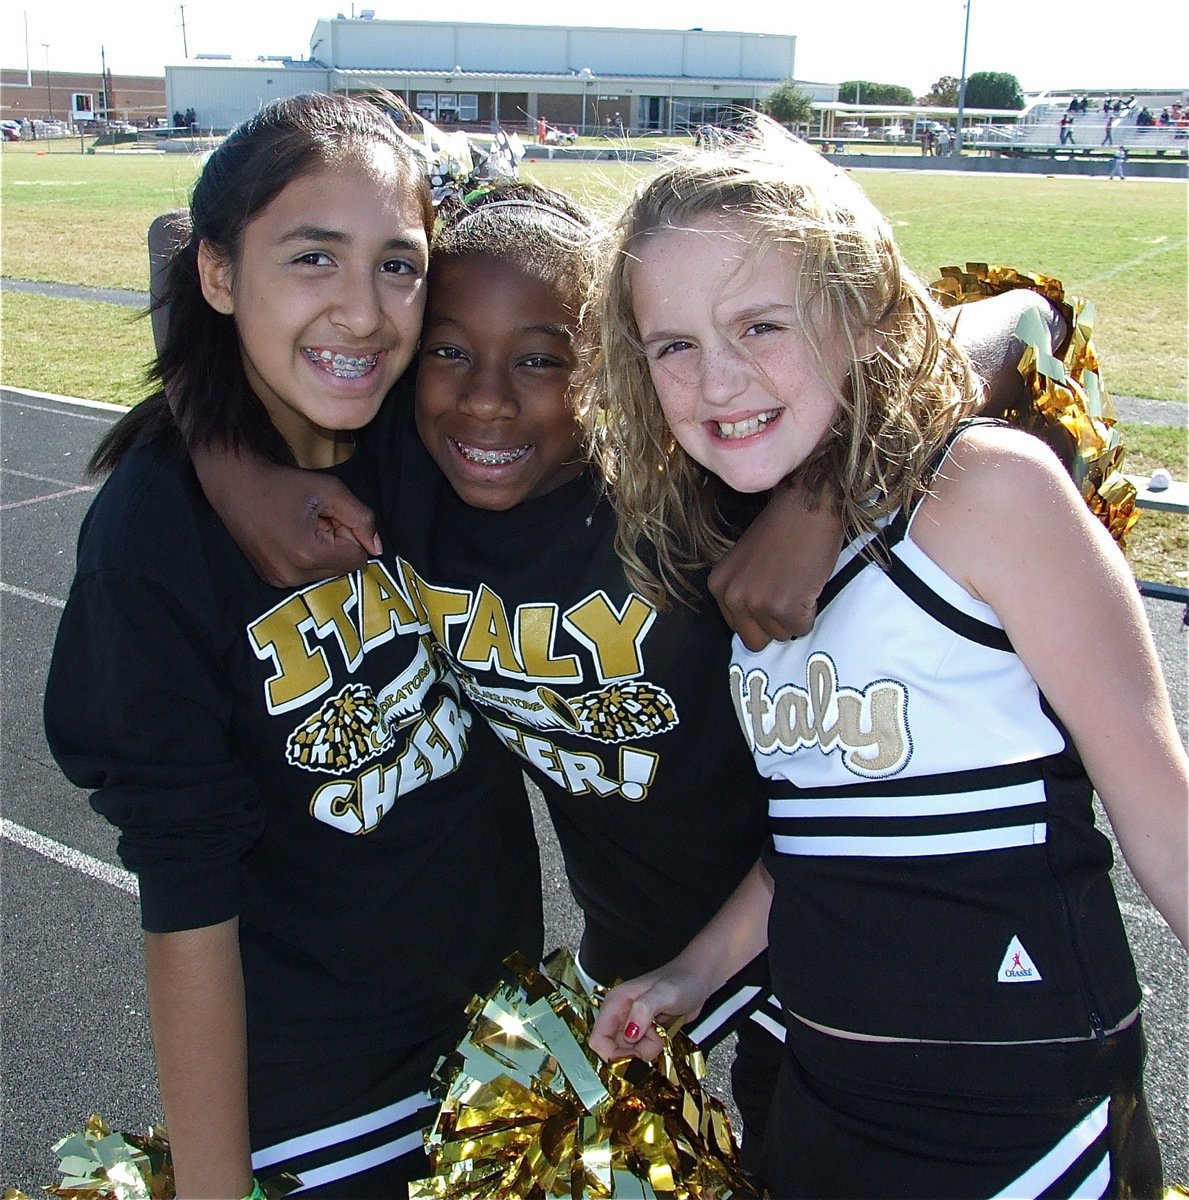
(892, 133)
(855, 129)
(51, 129)
(10, 131)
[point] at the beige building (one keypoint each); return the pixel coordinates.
(474, 75)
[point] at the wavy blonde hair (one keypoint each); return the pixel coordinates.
(907, 387)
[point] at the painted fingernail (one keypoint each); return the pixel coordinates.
(631, 1031)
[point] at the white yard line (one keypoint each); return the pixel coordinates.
(1165, 248)
(76, 860)
(38, 597)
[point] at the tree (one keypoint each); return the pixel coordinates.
(863, 91)
(787, 104)
(993, 89)
(944, 93)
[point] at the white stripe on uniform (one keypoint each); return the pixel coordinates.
(895, 847)
(345, 1168)
(1060, 1158)
(332, 1135)
(723, 1013)
(858, 804)
(770, 1025)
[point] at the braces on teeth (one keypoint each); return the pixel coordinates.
(343, 365)
(490, 458)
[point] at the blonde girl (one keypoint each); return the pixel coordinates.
(944, 938)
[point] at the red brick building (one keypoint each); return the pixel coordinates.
(41, 95)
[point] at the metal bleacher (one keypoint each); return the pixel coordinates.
(1174, 499)
(1040, 130)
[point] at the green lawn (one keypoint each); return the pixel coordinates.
(81, 218)
(1123, 247)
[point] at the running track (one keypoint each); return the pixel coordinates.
(74, 1024)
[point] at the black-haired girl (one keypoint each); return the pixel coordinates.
(333, 853)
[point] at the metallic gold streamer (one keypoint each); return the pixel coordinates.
(97, 1164)
(528, 1112)
(1069, 406)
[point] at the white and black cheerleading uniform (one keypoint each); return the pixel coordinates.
(299, 759)
(938, 877)
(619, 712)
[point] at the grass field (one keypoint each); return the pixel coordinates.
(81, 219)
(77, 218)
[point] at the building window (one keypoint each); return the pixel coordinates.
(448, 107)
(689, 114)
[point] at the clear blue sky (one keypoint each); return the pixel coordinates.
(1044, 43)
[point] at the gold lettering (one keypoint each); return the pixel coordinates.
(439, 605)
(792, 725)
(489, 637)
(613, 637)
(822, 709)
(758, 706)
(300, 671)
(328, 604)
(885, 703)
(536, 629)
(383, 610)
(411, 587)
(826, 715)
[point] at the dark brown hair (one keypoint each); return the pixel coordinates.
(199, 363)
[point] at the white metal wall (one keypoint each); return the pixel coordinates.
(223, 96)
(441, 46)
(627, 63)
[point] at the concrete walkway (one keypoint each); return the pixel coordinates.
(72, 291)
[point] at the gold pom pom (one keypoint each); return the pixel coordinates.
(528, 1111)
(1068, 405)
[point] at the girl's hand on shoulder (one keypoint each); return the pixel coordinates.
(767, 586)
(293, 526)
(629, 1014)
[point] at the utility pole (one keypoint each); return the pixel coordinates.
(962, 84)
(49, 95)
(103, 81)
(185, 48)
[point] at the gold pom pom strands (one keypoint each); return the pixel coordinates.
(528, 1112)
(97, 1164)
(1068, 404)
